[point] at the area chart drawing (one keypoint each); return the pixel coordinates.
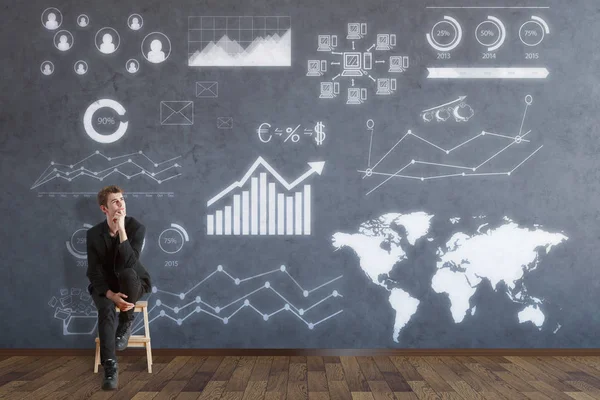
(239, 41)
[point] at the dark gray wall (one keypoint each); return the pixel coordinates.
(41, 122)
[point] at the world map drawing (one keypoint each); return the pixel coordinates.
(502, 253)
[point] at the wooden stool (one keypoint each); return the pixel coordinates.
(134, 340)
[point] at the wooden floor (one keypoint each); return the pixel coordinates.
(313, 378)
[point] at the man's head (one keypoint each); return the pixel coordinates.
(111, 200)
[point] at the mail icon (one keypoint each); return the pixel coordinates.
(225, 122)
(207, 89)
(177, 113)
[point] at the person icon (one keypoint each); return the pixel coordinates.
(51, 23)
(135, 24)
(47, 69)
(132, 68)
(63, 43)
(107, 45)
(81, 69)
(83, 22)
(156, 55)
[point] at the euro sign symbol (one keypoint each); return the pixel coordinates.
(320, 133)
(263, 129)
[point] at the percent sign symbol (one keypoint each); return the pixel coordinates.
(106, 120)
(292, 134)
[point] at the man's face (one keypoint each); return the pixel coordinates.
(115, 202)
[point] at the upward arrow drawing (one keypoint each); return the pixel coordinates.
(315, 167)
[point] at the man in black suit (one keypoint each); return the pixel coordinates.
(117, 276)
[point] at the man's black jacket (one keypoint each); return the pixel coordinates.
(127, 255)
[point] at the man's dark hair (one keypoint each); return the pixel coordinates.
(105, 191)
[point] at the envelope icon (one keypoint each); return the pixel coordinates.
(225, 122)
(177, 113)
(207, 89)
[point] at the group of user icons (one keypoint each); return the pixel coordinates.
(156, 46)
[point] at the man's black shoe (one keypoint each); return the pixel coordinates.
(123, 334)
(111, 375)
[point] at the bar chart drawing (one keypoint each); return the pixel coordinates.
(259, 208)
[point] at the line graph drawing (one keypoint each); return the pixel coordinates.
(228, 41)
(199, 304)
(465, 170)
(127, 165)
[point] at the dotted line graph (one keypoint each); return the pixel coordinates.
(69, 172)
(199, 305)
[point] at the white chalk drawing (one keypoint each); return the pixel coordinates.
(52, 18)
(156, 47)
(254, 206)
(487, 73)
(76, 309)
(107, 40)
(356, 95)
(135, 22)
(356, 30)
(83, 21)
(291, 135)
(172, 239)
(162, 305)
(77, 245)
(239, 41)
(491, 33)
(458, 108)
(476, 170)
(207, 89)
(63, 40)
(91, 125)
(533, 31)
(398, 63)
(158, 172)
(225, 122)
(47, 67)
(359, 64)
(445, 35)
(180, 112)
(132, 66)
(80, 67)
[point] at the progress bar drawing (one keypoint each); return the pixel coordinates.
(263, 210)
(98, 167)
(464, 170)
(189, 304)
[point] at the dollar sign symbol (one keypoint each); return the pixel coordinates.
(320, 136)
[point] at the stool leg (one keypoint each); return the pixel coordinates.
(149, 357)
(97, 358)
(147, 334)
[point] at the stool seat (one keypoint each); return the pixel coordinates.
(134, 340)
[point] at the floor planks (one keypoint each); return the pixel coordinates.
(306, 378)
